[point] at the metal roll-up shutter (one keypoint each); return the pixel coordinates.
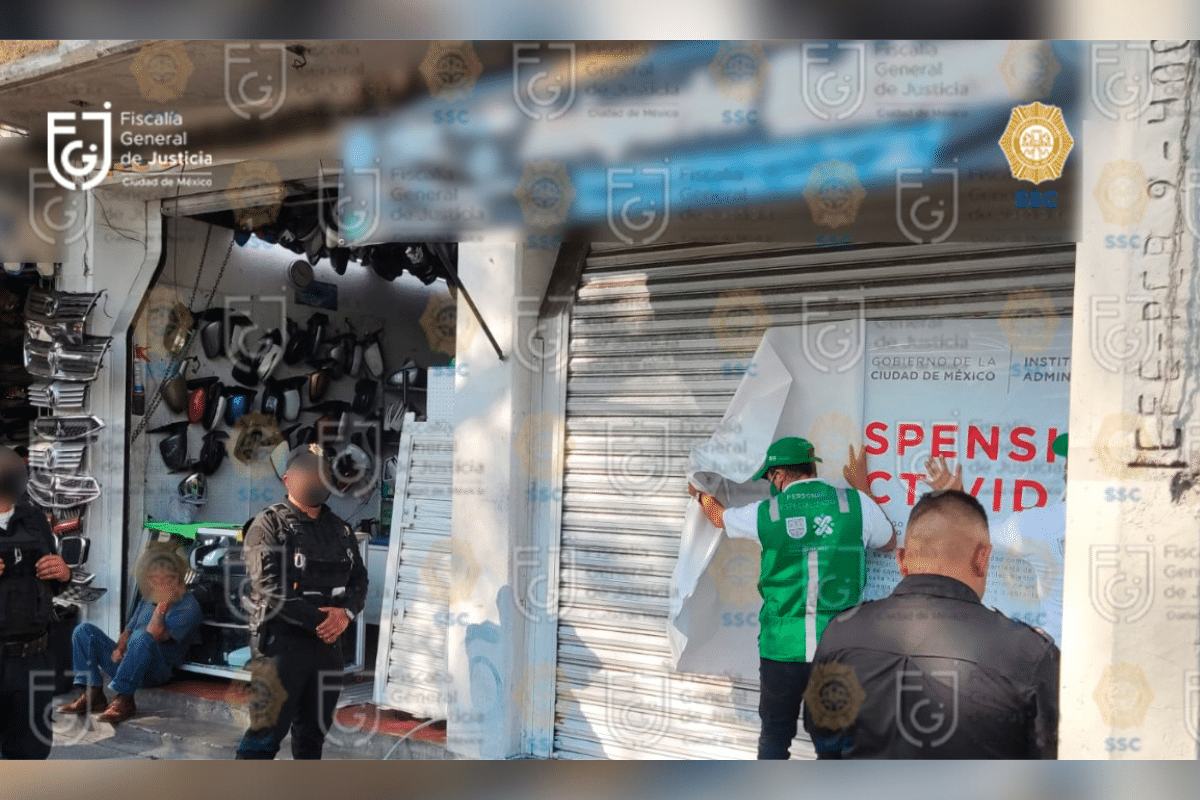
(659, 337)
(410, 672)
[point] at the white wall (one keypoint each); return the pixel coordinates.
(255, 282)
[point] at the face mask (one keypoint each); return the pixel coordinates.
(774, 490)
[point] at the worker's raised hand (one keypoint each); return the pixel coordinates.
(939, 476)
(855, 471)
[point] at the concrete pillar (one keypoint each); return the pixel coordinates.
(487, 651)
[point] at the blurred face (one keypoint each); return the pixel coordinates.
(164, 583)
(306, 487)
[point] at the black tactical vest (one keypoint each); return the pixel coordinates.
(26, 602)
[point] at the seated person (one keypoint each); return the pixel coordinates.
(163, 627)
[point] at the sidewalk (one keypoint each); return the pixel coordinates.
(205, 718)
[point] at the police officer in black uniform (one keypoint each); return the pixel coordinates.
(308, 582)
(31, 573)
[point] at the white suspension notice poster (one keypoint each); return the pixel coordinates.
(991, 394)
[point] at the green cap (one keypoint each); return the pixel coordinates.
(1059, 445)
(786, 452)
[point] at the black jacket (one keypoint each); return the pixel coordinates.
(286, 597)
(26, 607)
(930, 672)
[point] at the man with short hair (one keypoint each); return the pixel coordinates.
(308, 582)
(163, 627)
(929, 671)
(814, 538)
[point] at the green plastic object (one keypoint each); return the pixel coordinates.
(188, 530)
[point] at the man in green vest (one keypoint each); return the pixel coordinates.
(814, 539)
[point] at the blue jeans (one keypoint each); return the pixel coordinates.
(142, 665)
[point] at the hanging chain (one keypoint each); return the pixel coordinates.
(182, 355)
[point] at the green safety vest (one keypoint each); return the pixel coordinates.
(813, 565)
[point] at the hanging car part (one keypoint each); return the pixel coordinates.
(57, 395)
(212, 452)
(296, 349)
(58, 457)
(193, 489)
(66, 361)
(174, 447)
(238, 402)
(179, 328)
(62, 491)
(373, 355)
(174, 389)
(65, 429)
(366, 391)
